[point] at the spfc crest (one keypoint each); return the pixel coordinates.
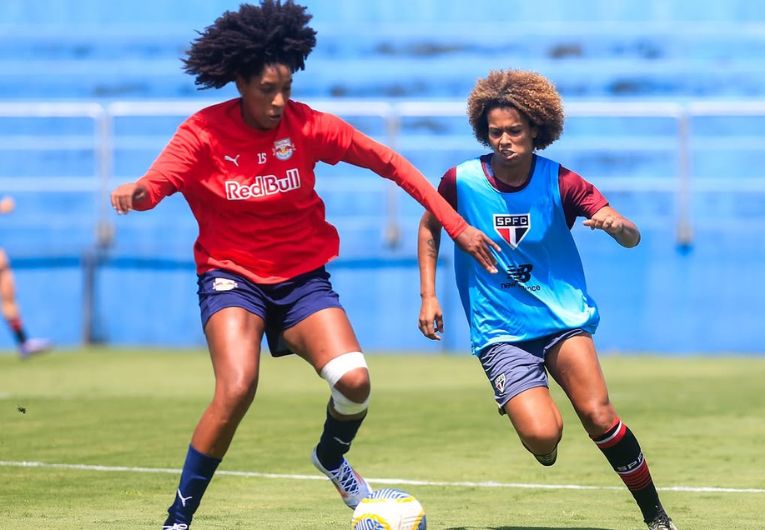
(499, 382)
(512, 227)
(283, 149)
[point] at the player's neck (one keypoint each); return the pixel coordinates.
(516, 174)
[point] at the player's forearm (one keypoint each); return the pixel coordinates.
(428, 245)
(154, 188)
(629, 236)
(365, 152)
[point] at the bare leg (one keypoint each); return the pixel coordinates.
(537, 421)
(574, 365)
(233, 338)
(9, 306)
(321, 338)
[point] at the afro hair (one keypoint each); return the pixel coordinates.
(243, 42)
(530, 93)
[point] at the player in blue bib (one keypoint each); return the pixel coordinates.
(534, 315)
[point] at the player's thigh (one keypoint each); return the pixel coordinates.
(575, 367)
(233, 338)
(517, 376)
(534, 415)
(322, 336)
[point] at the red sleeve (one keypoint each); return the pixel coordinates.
(579, 197)
(365, 152)
(448, 187)
(178, 160)
(332, 135)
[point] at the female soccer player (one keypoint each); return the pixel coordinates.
(536, 314)
(9, 305)
(246, 169)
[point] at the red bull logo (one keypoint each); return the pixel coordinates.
(283, 149)
(262, 185)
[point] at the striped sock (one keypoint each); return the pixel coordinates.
(623, 452)
(18, 329)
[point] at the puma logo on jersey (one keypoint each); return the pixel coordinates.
(233, 160)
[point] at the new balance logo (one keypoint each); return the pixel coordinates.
(183, 499)
(233, 160)
(520, 274)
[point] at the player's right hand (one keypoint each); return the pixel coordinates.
(477, 244)
(431, 321)
(125, 196)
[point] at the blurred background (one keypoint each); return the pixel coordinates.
(665, 103)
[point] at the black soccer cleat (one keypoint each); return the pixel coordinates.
(661, 522)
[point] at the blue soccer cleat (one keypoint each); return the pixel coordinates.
(32, 347)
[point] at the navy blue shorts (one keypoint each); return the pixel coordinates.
(280, 305)
(515, 367)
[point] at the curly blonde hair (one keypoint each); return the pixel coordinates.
(530, 93)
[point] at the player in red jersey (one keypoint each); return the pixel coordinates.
(245, 167)
(9, 306)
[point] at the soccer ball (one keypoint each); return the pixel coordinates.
(389, 509)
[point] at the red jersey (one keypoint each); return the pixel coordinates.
(252, 191)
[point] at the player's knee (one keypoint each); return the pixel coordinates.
(237, 394)
(597, 417)
(355, 384)
(542, 438)
(348, 379)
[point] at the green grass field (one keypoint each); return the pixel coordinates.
(109, 429)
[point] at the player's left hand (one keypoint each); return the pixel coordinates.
(612, 224)
(477, 244)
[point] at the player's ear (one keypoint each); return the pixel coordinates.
(241, 84)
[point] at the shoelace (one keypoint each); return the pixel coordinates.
(345, 478)
(176, 526)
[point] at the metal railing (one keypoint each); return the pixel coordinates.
(103, 140)
(391, 113)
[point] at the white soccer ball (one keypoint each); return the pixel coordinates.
(389, 509)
